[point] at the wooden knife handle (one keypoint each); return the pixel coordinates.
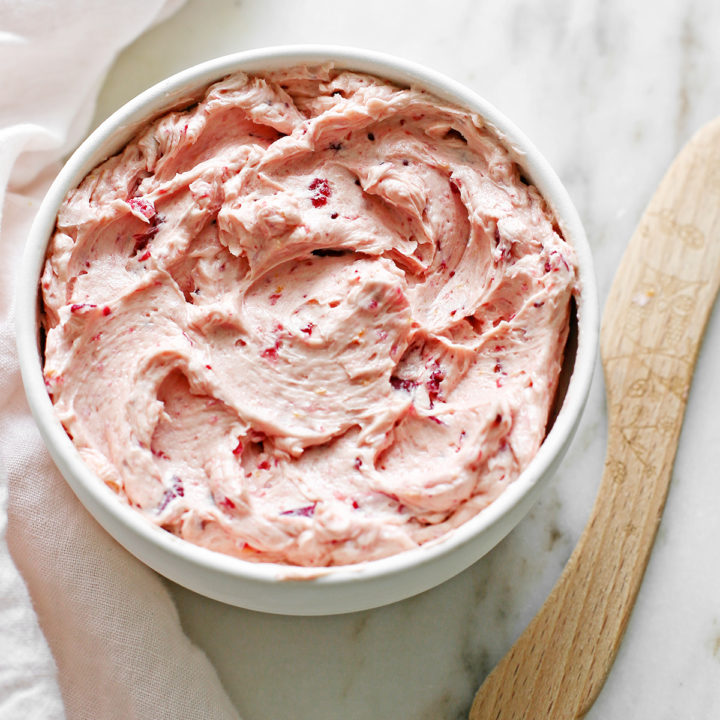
(653, 323)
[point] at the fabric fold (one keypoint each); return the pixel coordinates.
(88, 630)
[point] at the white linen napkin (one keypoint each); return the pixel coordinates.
(87, 631)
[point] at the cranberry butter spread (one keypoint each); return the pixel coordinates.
(315, 318)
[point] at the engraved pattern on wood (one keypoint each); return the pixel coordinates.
(652, 326)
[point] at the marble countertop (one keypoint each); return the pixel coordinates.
(609, 94)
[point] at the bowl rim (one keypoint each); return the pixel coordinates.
(112, 134)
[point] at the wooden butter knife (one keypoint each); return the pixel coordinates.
(652, 326)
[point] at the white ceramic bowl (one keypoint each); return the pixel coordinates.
(272, 587)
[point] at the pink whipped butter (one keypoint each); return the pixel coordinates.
(314, 318)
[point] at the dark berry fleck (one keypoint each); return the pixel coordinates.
(406, 163)
(336, 146)
(328, 252)
(333, 216)
(358, 463)
(371, 137)
(402, 383)
(150, 231)
(308, 328)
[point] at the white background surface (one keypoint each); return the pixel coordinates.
(609, 94)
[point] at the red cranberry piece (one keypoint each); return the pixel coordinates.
(174, 491)
(77, 307)
(321, 192)
(433, 384)
(145, 207)
(271, 353)
(305, 511)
